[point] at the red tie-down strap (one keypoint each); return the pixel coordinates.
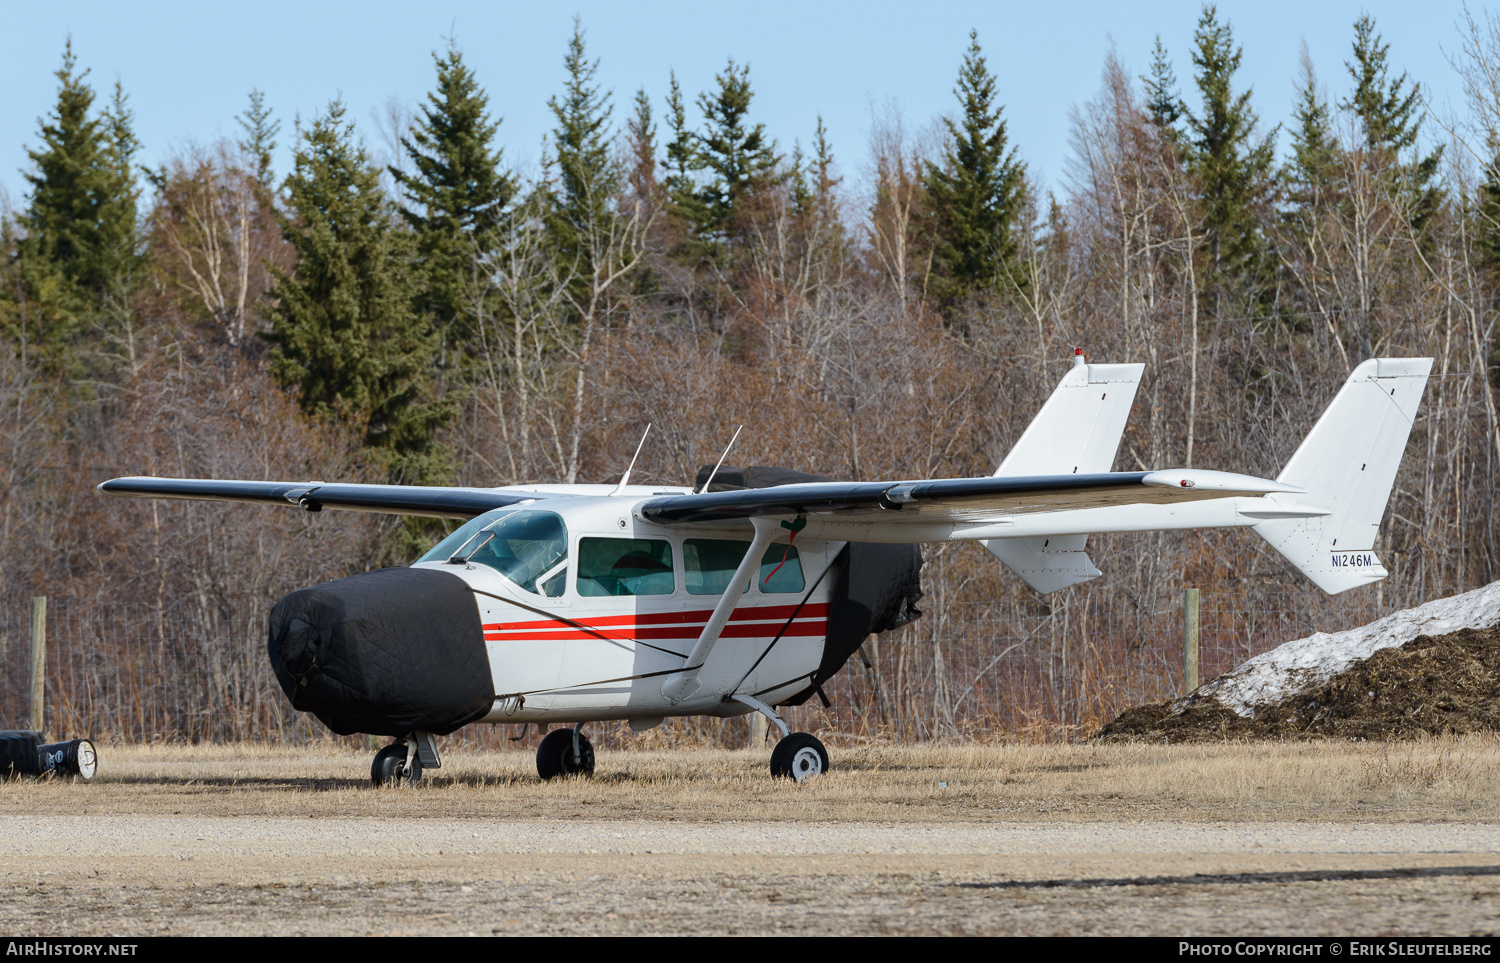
(794, 526)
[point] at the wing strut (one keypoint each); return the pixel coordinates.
(680, 686)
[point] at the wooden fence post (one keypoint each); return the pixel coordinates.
(1189, 640)
(38, 662)
(757, 730)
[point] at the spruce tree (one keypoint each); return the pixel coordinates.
(118, 215)
(455, 199)
(640, 145)
(823, 164)
(740, 158)
(1163, 102)
(644, 195)
(683, 162)
(1232, 167)
(801, 191)
(976, 193)
(80, 221)
(345, 331)
(1315, 151)
(814, 202)
(587, 176)
(260, 139)
(1390, 117)
(1487, 230)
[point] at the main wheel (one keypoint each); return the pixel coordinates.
(390, 769)
(799, 756)
(555, 755)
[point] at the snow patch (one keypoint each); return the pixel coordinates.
(1296, 665)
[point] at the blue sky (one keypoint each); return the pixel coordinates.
(188, 68)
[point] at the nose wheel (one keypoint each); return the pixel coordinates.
(799, 756)
(564, 752)
(397, 764)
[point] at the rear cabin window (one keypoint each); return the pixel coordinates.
(625, 566)
(709, 563)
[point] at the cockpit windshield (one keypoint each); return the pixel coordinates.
(528, 548)
(444, 550)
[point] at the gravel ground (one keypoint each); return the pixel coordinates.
(216, 875)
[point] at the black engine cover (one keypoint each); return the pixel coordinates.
(388, 652)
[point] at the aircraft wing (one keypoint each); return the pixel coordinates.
(956, 500)
(315, 496)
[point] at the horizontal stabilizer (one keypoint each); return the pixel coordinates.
(1046, 564)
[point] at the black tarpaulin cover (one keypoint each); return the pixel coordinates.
(389, 652)
(18, 753)
(876, 586)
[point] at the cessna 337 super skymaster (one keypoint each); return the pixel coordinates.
(579, 603)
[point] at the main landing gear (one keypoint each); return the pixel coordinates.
(564, 752)
(798, 755)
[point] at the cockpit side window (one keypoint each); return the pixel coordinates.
(528, 548)
(625, 566)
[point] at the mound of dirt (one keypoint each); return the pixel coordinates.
(1437, 685)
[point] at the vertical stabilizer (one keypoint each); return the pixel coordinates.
(1077, 432)
(1347, 465)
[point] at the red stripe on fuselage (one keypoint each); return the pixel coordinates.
(754, 613)
(764, 630)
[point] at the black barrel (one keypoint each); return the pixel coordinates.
(22, 753)
(77, 757)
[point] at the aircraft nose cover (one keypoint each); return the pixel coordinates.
(389, 652)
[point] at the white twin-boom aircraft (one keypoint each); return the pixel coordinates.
(580, 603)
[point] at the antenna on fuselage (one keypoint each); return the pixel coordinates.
(721, 460)
(625, 478)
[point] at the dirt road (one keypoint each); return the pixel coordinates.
(179, 845)
(213, 875)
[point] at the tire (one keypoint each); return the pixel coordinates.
(779, 766)
(799, 756)
(554, 756)
(389, 767)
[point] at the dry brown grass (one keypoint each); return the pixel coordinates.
(1433, 779)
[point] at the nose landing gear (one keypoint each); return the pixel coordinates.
(401, 762)
(397, 764)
